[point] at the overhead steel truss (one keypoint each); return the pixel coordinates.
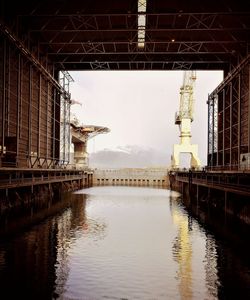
(89, 35)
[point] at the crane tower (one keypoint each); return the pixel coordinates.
(183, 118)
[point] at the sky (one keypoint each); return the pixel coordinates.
(139, 107)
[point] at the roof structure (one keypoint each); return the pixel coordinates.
(132, 35)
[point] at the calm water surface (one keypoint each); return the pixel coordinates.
(119, 243)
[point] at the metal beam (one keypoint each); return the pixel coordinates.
(150, 65)
(140, 60)
(123, 29)
(129, 14)
(138, 52)
(153, 42)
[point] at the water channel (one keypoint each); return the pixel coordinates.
(122, 243)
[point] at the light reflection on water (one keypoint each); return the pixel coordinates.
(136, 243)
(119, 243)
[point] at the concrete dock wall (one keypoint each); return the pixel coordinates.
(22, 189)
(132, 177)
(220, 199)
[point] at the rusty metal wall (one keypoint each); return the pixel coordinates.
(229, 122)
(29, 111)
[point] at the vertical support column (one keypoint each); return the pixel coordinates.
(8, 93)
(215, 128)
(39, 120)
(82, 183)
(197, 198)
(54, 125)
(212, 146)
(223, 130)
(230, 124)
(30, 112)
(87, 180)
(213, 132)
(216, 125)
(47, 119)
(210, 138)
(4, 95)
(248, 108)
(209, 133)
(68, 131)
(80, 155)
(20, 134)
(63, 120)
(57, 126)
(225, 203)
(91, 180)
(239, 118)
(18, 108)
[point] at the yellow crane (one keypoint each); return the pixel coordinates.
(183, 118)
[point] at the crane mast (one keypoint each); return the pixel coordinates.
(186, 99)
(183, 118)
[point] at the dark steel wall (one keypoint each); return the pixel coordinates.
(29, 111)
(229, 120)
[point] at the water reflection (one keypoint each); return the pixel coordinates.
(27, 264)
(187, 256)
(182, 250)
(227, 248)
(34, 259)
(71, 226)
(210, 264)
(120, 243)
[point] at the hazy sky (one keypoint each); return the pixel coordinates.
(139, 107)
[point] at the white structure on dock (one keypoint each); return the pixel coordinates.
(183, 118)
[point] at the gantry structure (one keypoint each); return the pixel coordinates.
(41, 39)
(183, 119)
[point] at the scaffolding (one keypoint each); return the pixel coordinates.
(212, 129)
(65, 79)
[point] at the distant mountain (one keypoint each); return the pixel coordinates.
(129, 157)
